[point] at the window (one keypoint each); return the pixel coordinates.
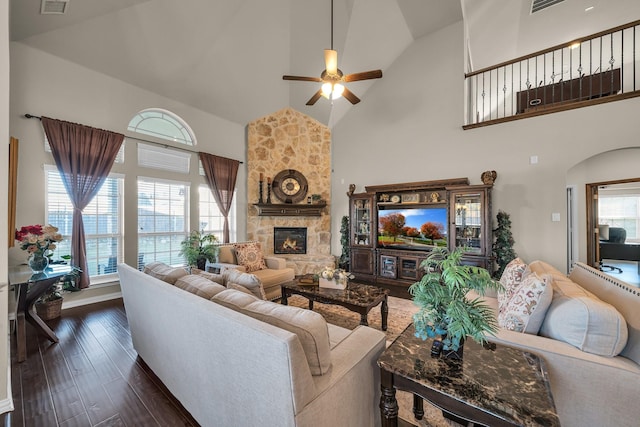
(162, 124)
(162, 158)
(211, 219)
(163, 212)
(102, 221)
(621, 211)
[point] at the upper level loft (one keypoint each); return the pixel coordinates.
(599, 68)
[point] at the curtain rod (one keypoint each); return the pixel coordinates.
(31, 116)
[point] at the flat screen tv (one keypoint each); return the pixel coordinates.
(415, 228)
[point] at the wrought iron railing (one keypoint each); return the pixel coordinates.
(599, 68)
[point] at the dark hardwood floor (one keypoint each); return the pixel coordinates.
(92, 377)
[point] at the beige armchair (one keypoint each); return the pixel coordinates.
(271, 277)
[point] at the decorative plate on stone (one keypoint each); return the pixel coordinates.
(290, 186)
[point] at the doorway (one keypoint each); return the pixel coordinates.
(613, 228)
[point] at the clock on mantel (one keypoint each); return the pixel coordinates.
(290, 186)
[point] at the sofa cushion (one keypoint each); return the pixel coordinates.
(269, 277)
(526, 309)
(510, 280)
(199, 285)
(227, 254)
(309, 326)
(217, 278)
(165, 272)
(250, 256)
(579, 318)
(249, 281)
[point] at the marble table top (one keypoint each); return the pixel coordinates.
(506, 382)
(355, 293)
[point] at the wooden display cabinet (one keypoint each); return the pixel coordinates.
(362, 235)
(470, 215)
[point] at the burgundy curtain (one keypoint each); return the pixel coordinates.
(84, 156)
(221, 174)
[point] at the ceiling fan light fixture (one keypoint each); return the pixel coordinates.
(332, 90)
(331, 61)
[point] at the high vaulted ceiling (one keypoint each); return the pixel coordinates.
(227, 57)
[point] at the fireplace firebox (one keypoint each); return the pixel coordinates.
(289, 240)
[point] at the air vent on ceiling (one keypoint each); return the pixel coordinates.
(538, 5)
(53, 7)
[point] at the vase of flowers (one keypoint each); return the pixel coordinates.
(334, 278)
(39, 242)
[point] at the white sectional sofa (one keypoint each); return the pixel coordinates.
(234, 360)
(588, 389)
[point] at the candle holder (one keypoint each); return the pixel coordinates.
(260, 192)
(268, 192)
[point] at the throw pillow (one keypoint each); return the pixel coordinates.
(249, 281)
(250, 256)
(526, 309)
(510, 280)
(578, 317)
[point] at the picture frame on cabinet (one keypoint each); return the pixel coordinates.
(411, 198)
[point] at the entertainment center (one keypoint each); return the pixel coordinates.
(394, 227)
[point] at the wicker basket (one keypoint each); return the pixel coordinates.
(49, 310)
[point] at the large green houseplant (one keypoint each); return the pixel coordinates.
(445, 309)
(198, 248)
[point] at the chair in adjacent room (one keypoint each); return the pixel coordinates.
(609, 236)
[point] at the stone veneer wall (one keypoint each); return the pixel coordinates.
(288, 139)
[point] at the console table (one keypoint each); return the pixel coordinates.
(494, 386)
(28, 288)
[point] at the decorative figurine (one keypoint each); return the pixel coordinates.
(489, 177)
(352, 189)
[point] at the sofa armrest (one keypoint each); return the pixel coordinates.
(354, 377)
(275, 263)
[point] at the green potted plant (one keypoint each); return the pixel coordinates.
(49, 305)
(503, 244)
(198, 248)
(344, 242)
(445, 309)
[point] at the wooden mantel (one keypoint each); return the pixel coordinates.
(284, 209)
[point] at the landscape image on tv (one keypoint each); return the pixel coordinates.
(412, 228)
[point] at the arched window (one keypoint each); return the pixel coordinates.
(162, 124)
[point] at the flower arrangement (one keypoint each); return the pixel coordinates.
(38, 239)
(337, 274)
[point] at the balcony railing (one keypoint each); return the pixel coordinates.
(600, 68)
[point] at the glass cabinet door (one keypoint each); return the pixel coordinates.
(361, 225)
(468, 217)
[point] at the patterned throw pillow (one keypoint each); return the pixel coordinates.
(510, 280)
(525, 310)
(250, 256)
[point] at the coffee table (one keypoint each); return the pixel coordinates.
(356, 297)
(494, 386)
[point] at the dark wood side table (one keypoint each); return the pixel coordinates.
(494, 386)
(356, 297)
(28, 288)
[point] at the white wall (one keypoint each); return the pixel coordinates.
(6, 403)
(42, 84)
(409, 128)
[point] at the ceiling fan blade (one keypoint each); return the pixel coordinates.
(331, 61)
(351, 97)
(302, 79)
(315, 97)
(365, 75)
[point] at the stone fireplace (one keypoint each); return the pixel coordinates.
(288, 139)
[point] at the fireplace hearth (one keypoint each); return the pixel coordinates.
(289, 240)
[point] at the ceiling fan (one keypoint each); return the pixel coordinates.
(332, 78)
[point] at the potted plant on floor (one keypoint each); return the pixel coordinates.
(445, 310)
(49, 305)
(198, 248)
